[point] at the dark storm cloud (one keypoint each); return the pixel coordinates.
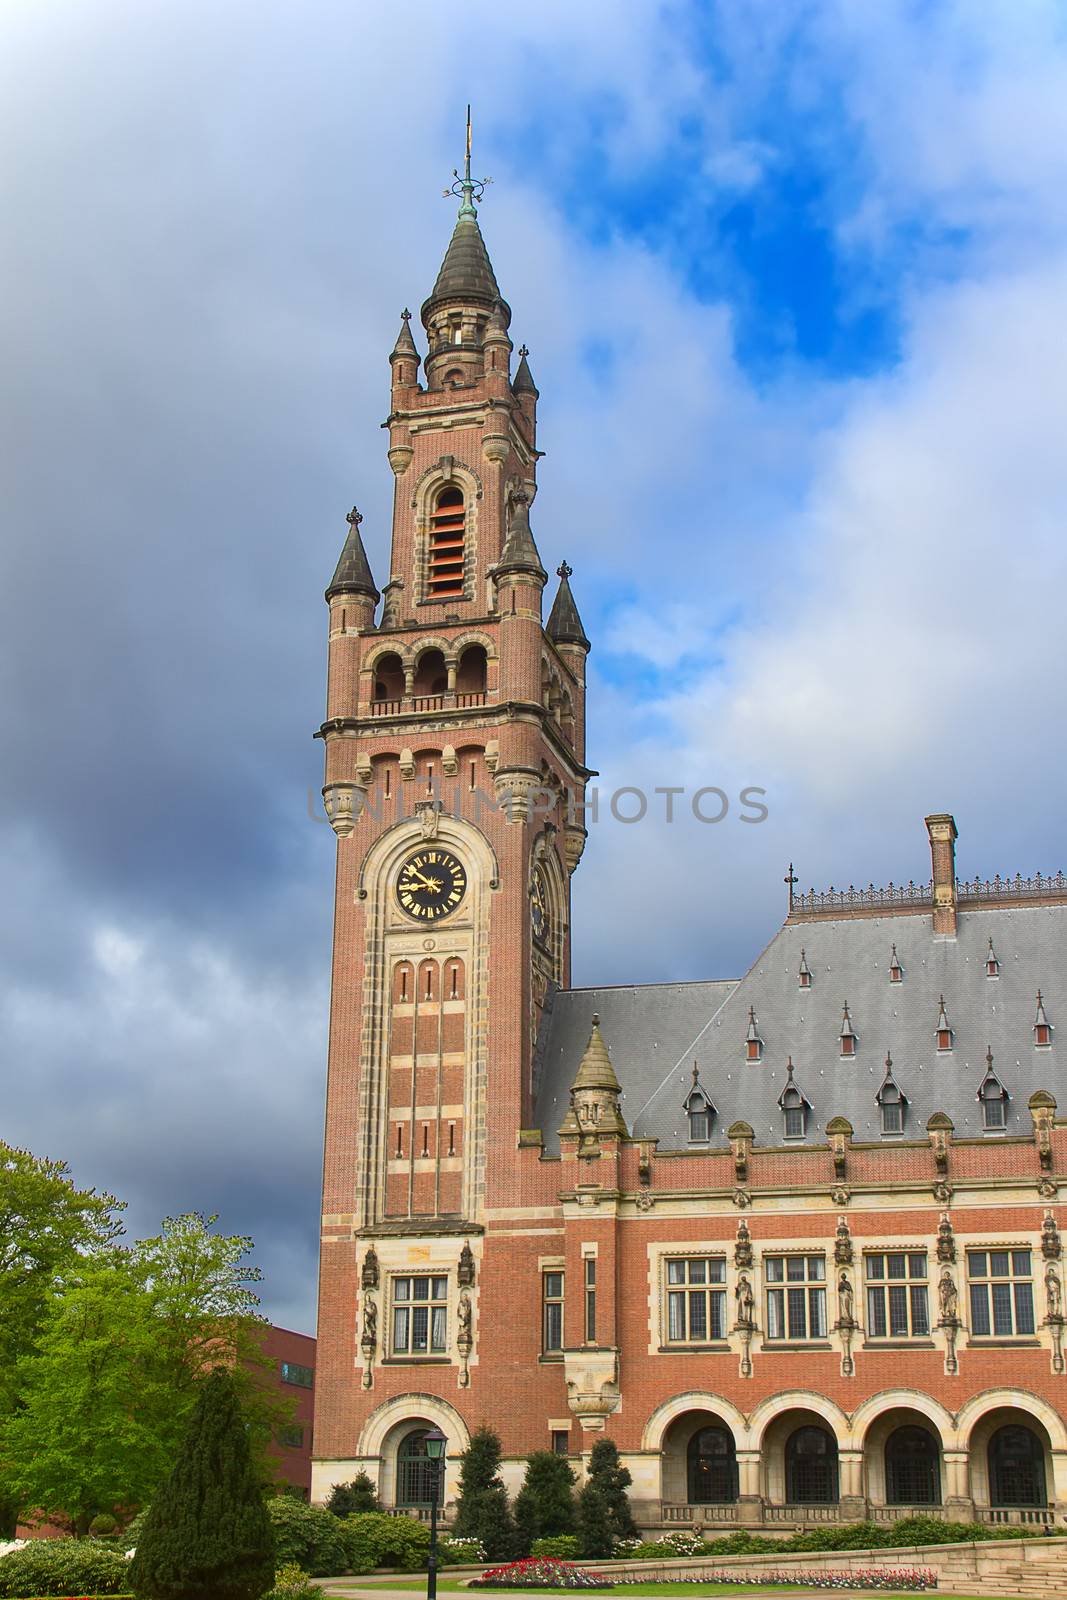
(213, 218)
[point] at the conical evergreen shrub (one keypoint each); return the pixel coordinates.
(604, 1514)
(544, 1506)
(207, 1535)
(482, 1510)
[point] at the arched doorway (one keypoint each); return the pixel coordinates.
(416, 1480)
(1016, 1467)
(912, 1468)
(811, 1467)
(711, 1467)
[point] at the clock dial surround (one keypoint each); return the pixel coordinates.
(431, 884)
(540, 919)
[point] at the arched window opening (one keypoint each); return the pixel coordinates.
(912, 1468)
(389, 678)
(417, 1482)
(431, 674)
(711, 1467)
(794, 1113)
(448, 522)
(473, 671)
(1016, 1467)
(811, 1467)
(994, 1102)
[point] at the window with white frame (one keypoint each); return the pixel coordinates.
(696, 1299)
(796, 1297)
(898, 1305)
(1002, 1293)
(420, 1315)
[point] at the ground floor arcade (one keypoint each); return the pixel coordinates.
(796, 1460)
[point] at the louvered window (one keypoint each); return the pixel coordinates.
(447, 528)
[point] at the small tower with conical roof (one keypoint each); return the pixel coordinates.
(594, 1109)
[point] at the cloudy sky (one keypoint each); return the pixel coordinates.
(793, 279)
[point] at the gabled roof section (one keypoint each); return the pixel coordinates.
(657, 1031)
(564, 625)
(352, 574)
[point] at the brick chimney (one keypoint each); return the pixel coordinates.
(943, 836)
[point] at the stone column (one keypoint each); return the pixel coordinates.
(959, 1507)
(749, 1498)
(852, 1500)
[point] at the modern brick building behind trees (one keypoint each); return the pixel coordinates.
(791, 1240)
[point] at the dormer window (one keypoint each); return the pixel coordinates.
(944, 1032)
(896, 971)
(992, 965)
(848, 1034)
(700, 1112)
(891, 1101)
(753, 1042)
(804, 973)
(794, 1107)
(448, 523)
(993, 1098)
(1042, 1026)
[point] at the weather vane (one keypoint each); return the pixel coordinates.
(467, 189)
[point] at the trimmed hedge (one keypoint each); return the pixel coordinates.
(374, 1539)
(64, 1567)
(307, 1536)
(845, 1536)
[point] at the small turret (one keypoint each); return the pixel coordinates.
(523, 383)
(352, 574)
(564, 624)
(520, 552)
(404, 356)
(594, 1108)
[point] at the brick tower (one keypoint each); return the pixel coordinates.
(455, 743)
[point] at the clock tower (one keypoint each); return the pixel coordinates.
(455, 777)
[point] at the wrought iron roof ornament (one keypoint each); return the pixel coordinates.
(467, 189)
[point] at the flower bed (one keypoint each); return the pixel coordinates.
(892, 1578)
(539, 1572)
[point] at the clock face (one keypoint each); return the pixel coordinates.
(539, 914)
(431, 883)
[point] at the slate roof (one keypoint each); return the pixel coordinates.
(656, 1032)
(352, 575)
(466, 272)
(564, 625)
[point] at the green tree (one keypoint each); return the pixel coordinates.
(544, 1506)
(208, 1535)
(482, 1510)
(93, 1431)
(105, 1397)
(604, 1514)
(49, 1229)
(349, 1499)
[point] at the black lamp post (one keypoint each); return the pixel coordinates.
(435, 1442)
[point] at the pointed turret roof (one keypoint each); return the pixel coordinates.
(466, 272)
(595, 1070)
(522, 382)
(405, 344)
(520, 552)
(353, 574)
(564, 624)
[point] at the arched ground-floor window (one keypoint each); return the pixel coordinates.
(811, 1467)
(1016, 1467)
(416, 1479)
(711, 1467)
(912, 1468)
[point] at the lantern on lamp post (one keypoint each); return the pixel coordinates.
(434, 1442)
